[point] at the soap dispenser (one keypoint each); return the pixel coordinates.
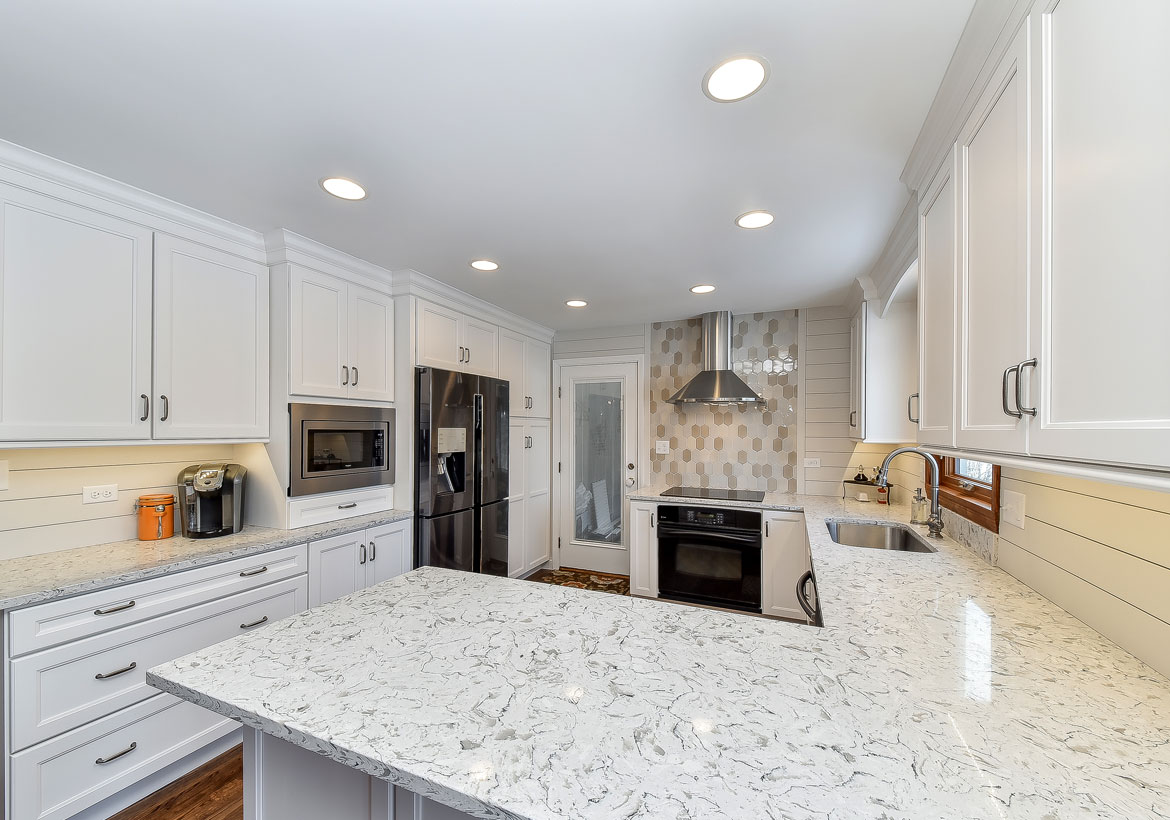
(919, 508)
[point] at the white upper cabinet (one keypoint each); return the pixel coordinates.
(341, 341)
(371, 345)
(993, 269)
(857, 373)
(1101, 265)
(937, 230)
(451, 341)
(75, 322)
(210, 343)
(526, 364)
(882, 373)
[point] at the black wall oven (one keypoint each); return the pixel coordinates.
(710, 556)
(335, 447)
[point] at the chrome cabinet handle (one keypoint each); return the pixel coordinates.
(469, 355)
(363, 558)
(910, 415)
(344, 375)
(355, 375)
(373, 551)
(461, 349)
(116, 672)
(111, 610)
(145, 408)
(651, 520)
(263, 620)
(166, 413)
(250, 572)
(1004, 395)
(1031, 411)
(101, 761)
(348, 506)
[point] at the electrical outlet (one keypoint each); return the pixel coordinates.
(812, 462)
(662, 448)
(3, 475)
(1011, 505)
(99, 494)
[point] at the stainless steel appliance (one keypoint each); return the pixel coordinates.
(710, 556)
(335, 447)
(716, 383)
(715, 493)
(461, 471)
(211, 499)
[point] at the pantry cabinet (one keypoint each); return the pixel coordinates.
(934, 406)
(644, 549)
(210, 343)
(342, 564)
(75, 322)
(341, 338)
(526, 364)
(530, 496)
(449, 340)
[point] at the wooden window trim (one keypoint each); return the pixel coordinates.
(979, 505)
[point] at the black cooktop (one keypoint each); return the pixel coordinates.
(717, 494)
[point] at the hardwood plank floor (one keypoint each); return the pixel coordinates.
(214, 791)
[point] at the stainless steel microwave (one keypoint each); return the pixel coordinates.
(335, 447)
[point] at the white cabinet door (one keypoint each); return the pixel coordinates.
(516, 536)
(336, 567)
(784, 559)
(538, 378)
(481, 342)
(390, 552)
(440, 337)
(1101, 265)
(643, 549)
(937, 230)
(993, 271)
(75, 303)
(210, 343)
(318, 304)
(514, 371)
(538, 495)
(371, 345)
(517, 515)
(857, 374)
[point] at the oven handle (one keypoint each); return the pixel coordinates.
(738, 535)
(802, 596)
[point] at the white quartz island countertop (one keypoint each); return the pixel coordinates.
(940, 688)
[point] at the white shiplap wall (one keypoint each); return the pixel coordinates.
(612, 341)
(823, 353)
(41, 511)
(1099, 551)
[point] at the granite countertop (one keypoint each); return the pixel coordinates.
(940, 688)
(36, 578)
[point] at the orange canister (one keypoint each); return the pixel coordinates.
(156, 516)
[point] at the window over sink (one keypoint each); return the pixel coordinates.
(969, 488)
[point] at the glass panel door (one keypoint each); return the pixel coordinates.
(597, 461)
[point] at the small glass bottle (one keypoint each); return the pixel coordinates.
(919, 508)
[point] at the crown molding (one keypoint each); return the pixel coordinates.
(284, 246)
(46, 175)
(407, 281)
(985, 39)
(900, 251)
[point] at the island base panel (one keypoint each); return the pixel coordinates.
(286, 782)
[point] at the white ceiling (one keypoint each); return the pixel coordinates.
(569, 141)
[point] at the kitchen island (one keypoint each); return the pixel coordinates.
(939, 688)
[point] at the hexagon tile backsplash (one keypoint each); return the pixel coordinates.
(752, 448)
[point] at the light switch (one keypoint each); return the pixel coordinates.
(3, 475)
(662, 448)
(812, 462)
(1011, 505)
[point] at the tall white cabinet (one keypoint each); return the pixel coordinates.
(526, 364)
(530, 495)
(937, 230)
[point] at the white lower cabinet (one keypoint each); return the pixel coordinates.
(785, 557)
(529, 496)
(643, 549)
(342, 564)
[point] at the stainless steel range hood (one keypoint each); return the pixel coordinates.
(716, 383)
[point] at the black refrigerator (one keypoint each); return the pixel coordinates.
(461, 471)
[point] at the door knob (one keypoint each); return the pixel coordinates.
(630, 481)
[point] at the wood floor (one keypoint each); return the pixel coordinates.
(214, 791)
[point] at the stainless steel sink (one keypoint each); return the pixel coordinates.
(878, 536)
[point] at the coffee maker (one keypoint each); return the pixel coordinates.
(211, 499)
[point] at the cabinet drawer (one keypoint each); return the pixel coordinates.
(320, 509)
(44, 625)
(59, 778)
(60, 688)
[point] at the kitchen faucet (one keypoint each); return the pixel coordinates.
(935, 521)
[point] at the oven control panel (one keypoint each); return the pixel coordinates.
(714, 517)
(709, 517)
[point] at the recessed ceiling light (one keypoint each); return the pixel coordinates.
(754, 219)
(702, 288)
(485, 264)
(576, 303)
(343, 188)
(735, 79)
